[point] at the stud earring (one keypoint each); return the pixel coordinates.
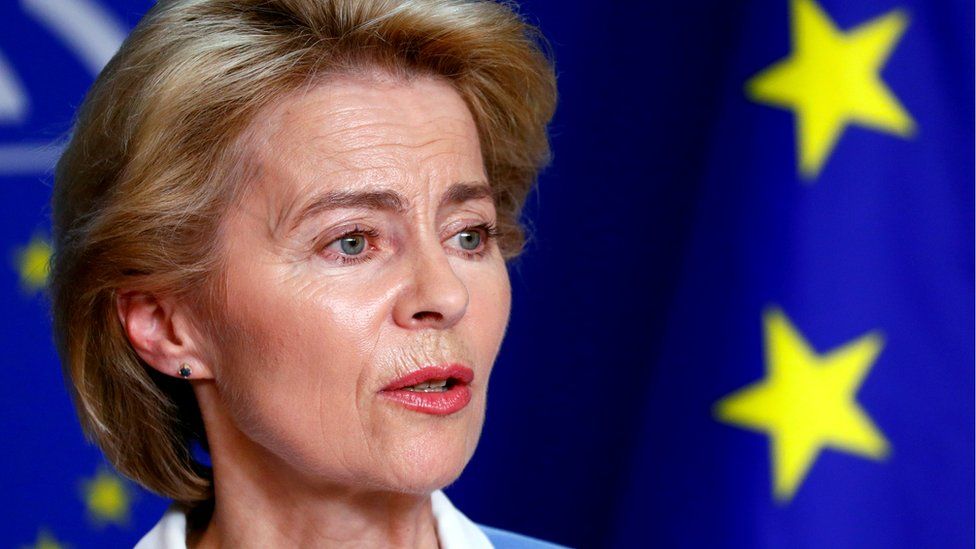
(185, 370)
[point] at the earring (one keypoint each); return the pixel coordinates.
(185, 370)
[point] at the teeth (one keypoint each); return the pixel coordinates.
(435, 386)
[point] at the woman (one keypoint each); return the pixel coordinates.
(281, 233)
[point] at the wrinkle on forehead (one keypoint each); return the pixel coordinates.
(330, 132)
(335, 112)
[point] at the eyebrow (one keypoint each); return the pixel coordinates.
(387, 199)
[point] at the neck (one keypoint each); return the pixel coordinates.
(260, 502)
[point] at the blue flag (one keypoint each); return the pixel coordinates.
(815, 384)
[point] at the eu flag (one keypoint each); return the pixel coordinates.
(815, 386)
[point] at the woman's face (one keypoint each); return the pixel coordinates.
(322, 324)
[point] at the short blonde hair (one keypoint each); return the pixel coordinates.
(153, 165)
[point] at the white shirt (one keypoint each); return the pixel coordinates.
(454, 530)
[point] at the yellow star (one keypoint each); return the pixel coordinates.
(806, 402)
(46, 541)
(832, 79)
(107, 498)
(33, 262)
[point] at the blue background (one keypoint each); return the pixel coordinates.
(671, 216)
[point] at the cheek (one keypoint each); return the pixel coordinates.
(298, 322)
(293, 368)
(490, 295)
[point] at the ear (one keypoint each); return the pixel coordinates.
(161, 332)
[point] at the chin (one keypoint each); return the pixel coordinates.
(428, 465)
(425, 484)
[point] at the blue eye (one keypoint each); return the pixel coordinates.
(470, 240)
(352, 244)
(351, 247)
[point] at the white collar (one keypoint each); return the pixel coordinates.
(454, 530)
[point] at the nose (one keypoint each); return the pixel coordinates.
(435, 297)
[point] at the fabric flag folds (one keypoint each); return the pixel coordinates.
(815, 387)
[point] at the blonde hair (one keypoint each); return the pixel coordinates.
(153, 164)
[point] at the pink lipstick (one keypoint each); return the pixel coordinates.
(437, 390)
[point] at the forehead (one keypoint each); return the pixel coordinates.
(366, 131)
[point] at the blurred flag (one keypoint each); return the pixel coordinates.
(816, 383)
(60, 492)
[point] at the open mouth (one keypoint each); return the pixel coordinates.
(433, 379)
(438, 390)
(433, 385)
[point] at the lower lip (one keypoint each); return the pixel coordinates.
(438, 404)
